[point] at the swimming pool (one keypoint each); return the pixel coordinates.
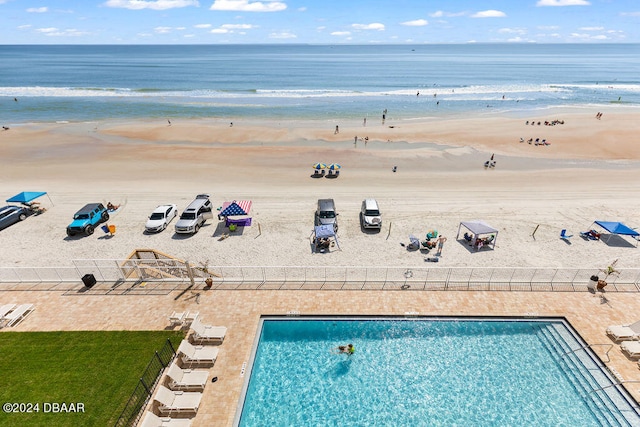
(437, 371)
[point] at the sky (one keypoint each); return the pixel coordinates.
(318, 21)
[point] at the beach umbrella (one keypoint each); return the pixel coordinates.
(319, 166)
(334, 166)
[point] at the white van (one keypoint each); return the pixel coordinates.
(196, 214)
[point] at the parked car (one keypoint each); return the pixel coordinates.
(160, 218)
(326, 213)
(195, 215)
(370, 216)
(11, 214)
(87, 218)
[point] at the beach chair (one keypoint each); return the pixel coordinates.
(207, 333)
(186, 379)
(6, 309)
(152, 420)
(631, 349)
(177, 402)
(177, 318)
(18, 315)
(564, 235)
(624, 332)
(198, 354)
(190, 316)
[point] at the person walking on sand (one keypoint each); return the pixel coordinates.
(337, 130)
(364, 122)
(441, 241)
(355, 141)
(169, 122)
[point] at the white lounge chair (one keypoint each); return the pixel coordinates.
(177, 318)
(18, 314)
(6, 309)
(199, 354)
(177, 402)
(152, 420)
(208, 333)
(186, 379)
(190, 316)
(631, 349)
(624, 332)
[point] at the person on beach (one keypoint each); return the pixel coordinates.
(441, 241)
(366, 140)
(169, 122)
(364, 122)
(355, 141)
(337, 130)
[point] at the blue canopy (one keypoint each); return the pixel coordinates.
(26, 196)
(617, 228)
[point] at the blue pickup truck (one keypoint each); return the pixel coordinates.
(87, 218)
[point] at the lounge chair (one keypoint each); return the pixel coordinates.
(186, 379)
(198, 354)
(152, 420)
(190, 317)
(18, 315)
(564, 235)
(631, 349)
(177, 402)
(208, 333)
(624, 332)
(177, 318)
(6, 309)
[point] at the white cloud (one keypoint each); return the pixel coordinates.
(248, 6)
(150, 4)
(563, 3)
(302, 9)
(591, 28)
(517, 39)
(162, 30)
(548, 27)
(600, 37)
(24, 27)
(415, 23)
(629, 13)
(56, 32)
(219, 31)
(282, 35)
(188, 36)
(202, 26)
(512, 31)
(341, 33)
(237, 26)
(441, 14)
(489, 14)
(38, 9)
(374, 26)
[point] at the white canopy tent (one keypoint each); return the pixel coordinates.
(478, 228)
(325, 231)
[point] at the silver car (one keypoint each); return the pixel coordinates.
(326, 213)
(195, 215)
(9, 215)
(160, 218)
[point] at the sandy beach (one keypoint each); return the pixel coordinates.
(588, 172)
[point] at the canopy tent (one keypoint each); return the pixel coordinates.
(614, 227)
(236, 208)
(324, 231)
(478, 228)
(27, 196)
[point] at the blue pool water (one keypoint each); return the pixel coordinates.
(427, 372)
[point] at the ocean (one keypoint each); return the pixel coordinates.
(53, 83)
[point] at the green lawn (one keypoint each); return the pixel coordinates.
(97, 369)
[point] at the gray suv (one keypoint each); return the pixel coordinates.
(195, 215)
(326, 213)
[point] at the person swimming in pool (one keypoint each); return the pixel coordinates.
(348, 349)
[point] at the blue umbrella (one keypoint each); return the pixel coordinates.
(334, 166)
(319, 166)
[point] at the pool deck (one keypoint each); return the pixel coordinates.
(240, 311)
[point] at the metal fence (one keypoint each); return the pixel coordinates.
(171, 274)
(144, 389)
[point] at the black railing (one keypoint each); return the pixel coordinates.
(144, 389)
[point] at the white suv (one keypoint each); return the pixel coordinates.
(370, 216)
(195, 215)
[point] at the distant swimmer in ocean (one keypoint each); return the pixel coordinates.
(348, 349)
